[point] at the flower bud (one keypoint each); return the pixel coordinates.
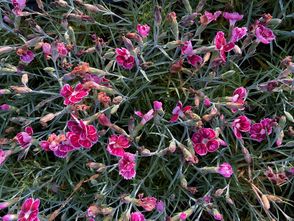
(157, 15)
(46, 118)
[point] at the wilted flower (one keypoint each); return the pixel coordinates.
(26, 56)
(209, 17)
(24, 139)
(73, 96)
(259, 131)
(3, 155)
(92, 211)
(206, 140)
(264, 34)
(194, 60)
(179, 111)
(62, 50)
(29, 210)
(117, 144)
(126, 166)
(137, 216)
(124, 58)
(238, 33)
(241, 124)
(145, 117)
(148, 203)
(58, 144)
(171, 17)
(232, 17)
(143, 30)
(239, 97)
(222, 46)
(47, 50)
(225, 169)
(81, 135)
(104, 99)
(187, 48)
(177, 66)
(18, 5)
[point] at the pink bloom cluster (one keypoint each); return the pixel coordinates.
(73, 95)
(24, 139)
(29, 210)
(206, 140)
(124, 58)
(259, 131)
(193, 59)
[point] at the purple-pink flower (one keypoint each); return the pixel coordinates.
(238, 98)
(124, 58)
(187, 48)
(157, 105)
(241, 124)
(238, 34)
(117, 145)
(73, 96)
(26, 56)
(222, 46)
(29, 210)
(5, 107)
(259, 131)
(225, 169)
(264, 34)
(179, 111)
(24, 139)
(137, 216)
(206, 140)
(232, 17)
(126, 166)
(143, 30)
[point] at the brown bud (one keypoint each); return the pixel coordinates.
(21, 90)
(265, 202)
(6, 49)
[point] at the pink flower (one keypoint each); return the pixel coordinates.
(29, 210)
(160, 206)
(73, 96)
(145, 117)
(264, 34)
(59, 145)
(9, 217)
(259, 131)
(5, 107)
(241, 124)
(148, 203)
(207, 102)
(126, 166)
(179, 111)
(195, 60)
(137, 216)
(124, 58)
(238, 33)
(233, 17)
(143, 30)
(18, 5)
(27, 56)
(222, 46)
(24, 139)
(187, 48)
(157, 105)
(62, 50)
(183, 216)
(225, 169)
(209, 17)
(3, 156)
(81, 135)
(117, 144)
(239, 97)
(205, 140)
(47, 50)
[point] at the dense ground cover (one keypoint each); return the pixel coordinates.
(168, 110)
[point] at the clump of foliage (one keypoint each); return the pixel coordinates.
(146, 110)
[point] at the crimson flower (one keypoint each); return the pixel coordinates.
(259, 131)
(222, 46)
(241, 124)
(29, 210)
(73, 96)
(124, 58)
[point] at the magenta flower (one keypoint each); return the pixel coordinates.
(47, 50)
(124, 58)
(81, 135)
(187, 48)
(225, 169)
(179, 111)
(232, 17)
(126, 166)
(259, 131)
(183, 216)
(157, 105)
(195, 60)
(24, 139)
(145, 117)
(62, 50)
(209, 17)
(222, 46)
(241, 124)
(137, 216)
(238, 33)
(104, 120)
(5, 107)
(27, 56)
(264, 34)
(207, 102)
(59, 145)
(143, 30)
(239, 97)
(73, 96)
(117, 144)
(206, 140)
(18, 6)
(29, 210)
